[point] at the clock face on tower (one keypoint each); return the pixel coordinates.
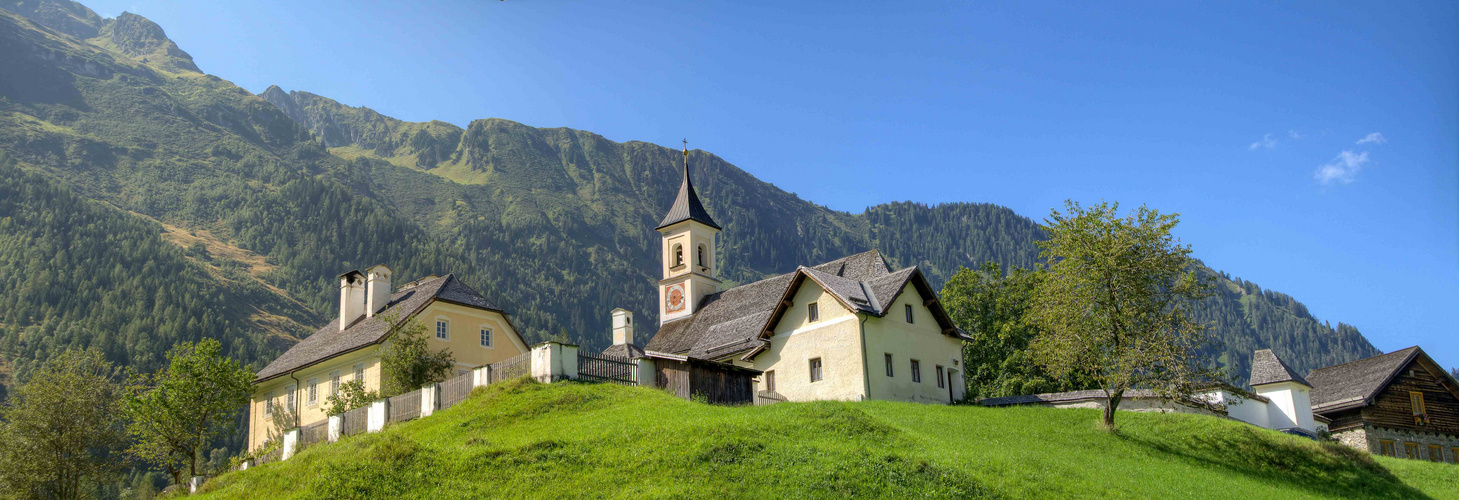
(674, 299)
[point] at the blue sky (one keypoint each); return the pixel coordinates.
(1250, 120)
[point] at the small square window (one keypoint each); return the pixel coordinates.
(812, 313)
(1411, 450)
(816, 370)
(1386, 448)
(908, 309)
(770, 381)
(889, 365)
(1436, 453)
(442, 330)
(941, 384)
(916, 371)
(485, 337)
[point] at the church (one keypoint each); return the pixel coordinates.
(850, 329)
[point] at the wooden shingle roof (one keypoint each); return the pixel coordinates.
(1267, 368)
(1355, 383)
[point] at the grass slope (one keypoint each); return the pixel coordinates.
(523, 439)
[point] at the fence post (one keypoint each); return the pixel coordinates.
(194, 483)
(481, 376)
(429, 396)
(378, 415)
(291, 443)
(645, 376)
(551, 361)
(336, 426)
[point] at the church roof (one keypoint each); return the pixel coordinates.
(686, 205)
(330, 341)
(1267, 368)
(731, 322)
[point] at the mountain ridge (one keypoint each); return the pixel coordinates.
(554, 224)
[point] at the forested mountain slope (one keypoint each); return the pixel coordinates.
(554, 224)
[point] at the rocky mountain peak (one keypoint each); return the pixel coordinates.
(145, 41)
(64, 16)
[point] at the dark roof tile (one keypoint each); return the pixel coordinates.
(1358, 380)
(1267, 368)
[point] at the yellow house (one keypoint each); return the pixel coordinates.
(293, 389)
(849, 329)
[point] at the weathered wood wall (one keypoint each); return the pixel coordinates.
(1392, 407)
(718, 385)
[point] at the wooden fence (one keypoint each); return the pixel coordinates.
(455, 390)
(405, 406)
(355, 421)
(510, 368)
(313, 434)
(609, 369)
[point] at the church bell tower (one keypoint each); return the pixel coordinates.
(690, 270)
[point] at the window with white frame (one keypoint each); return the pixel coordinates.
(443, 329)
(334, 383)
(485, 337)
(816, 370)
(360, 373)
(313, 392)
(268, 403)
(289, 398)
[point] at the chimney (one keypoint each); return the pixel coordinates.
(351, 298)
(622, 326)
(377, 289)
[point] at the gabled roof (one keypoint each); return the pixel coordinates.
(734, 321)
(625, 351)
(330, 341)
(1355, 384)
(686, 205)
(1267, 368)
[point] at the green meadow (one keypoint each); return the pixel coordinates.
(524, 439)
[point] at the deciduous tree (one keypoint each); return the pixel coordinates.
(178, 410)
(991, 306)
(407, 362)
(61, 435)
(1115, 306)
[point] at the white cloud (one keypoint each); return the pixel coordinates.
(1343, 169)
(1267, 142)
(1373, 138)
(1295, 134)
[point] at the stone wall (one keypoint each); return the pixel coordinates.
(1370, 439)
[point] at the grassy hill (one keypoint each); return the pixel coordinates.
(522, 439)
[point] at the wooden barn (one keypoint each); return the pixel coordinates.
(690, 378)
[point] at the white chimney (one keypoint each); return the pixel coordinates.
(351, 298)
(377, 289)
(622, 326)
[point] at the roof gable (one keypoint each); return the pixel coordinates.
(330, 341)
(1355, 384)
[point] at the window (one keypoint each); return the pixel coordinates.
(889, 365)
(916, 371)
(334, 383)
(485, 337)
(1454, 455)
(268, 403)
(360, 373)
(908, 309)
(1436, 453)
(702, 262)
(941, 384)
(678, 255)
(1411, 449)
(289, 398)
(313, 398)
(812, 312)
(1416, 399)
(1385, 448)
(443, 330)
(816, 370)
(770, 381)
